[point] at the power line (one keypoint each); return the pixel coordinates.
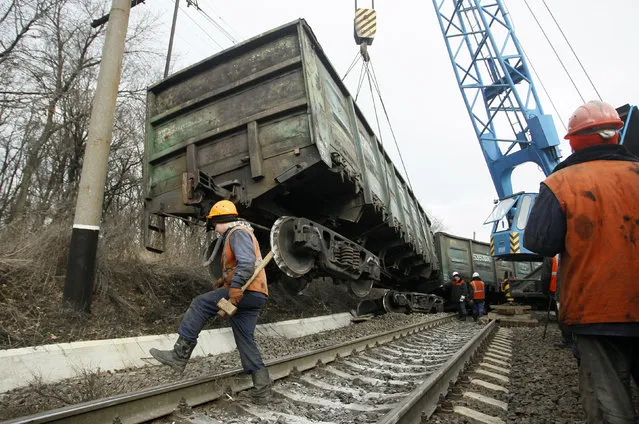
(211, 20)
(572, 50)
(219, 16)
(199, 26)
(555, 51)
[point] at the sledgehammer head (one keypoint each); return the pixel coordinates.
(227, 309)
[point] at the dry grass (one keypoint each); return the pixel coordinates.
(135, 292)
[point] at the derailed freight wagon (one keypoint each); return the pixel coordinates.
(269, 125)
(467, 256)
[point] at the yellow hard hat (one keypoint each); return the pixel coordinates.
(222, 211)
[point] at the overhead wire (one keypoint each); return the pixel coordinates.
(212, 21)
(572, 50)
(199, 26)
(219, 16)
(543, 86)
(554, 50)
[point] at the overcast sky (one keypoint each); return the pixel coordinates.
(434, 131)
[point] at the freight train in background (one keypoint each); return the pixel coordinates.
(269, 125)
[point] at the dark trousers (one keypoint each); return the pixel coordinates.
(478, 308)
(606, 366)
(461, 310)
(243, 323)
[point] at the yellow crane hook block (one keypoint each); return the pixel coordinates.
(365, 25)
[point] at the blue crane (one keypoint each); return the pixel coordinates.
(504, 107)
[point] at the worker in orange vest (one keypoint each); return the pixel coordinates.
(240, 254)
(479, 296)
(588, 211)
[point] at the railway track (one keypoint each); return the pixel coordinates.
(393, 377)
(482, 395)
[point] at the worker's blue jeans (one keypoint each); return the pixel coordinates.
(243, 323)
(478, 308)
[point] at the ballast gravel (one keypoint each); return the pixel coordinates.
(39, 397)
(543, 385)
(544, 381)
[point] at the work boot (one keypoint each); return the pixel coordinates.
(261, 392)
(176, 358)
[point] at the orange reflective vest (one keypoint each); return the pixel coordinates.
(600, 263)
(478, 289)
(229, 263)
(553, 276)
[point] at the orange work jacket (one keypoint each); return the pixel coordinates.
(600, 263)
(229, 263)
(478, 289)
(553, 275)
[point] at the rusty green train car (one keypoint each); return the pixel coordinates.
(269, 125)
(467, 256)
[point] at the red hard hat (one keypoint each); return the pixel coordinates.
(594, 114)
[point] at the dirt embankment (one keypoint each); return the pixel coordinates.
(135, 293)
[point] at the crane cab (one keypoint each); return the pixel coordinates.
(509, 218)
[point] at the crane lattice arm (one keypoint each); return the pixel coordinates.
(501, 99)
(497, 87)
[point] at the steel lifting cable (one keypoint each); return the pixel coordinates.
(361, 79)
(572, 50)
(381, 140)
(543, 87)
(381, 100)
(554, 51)
(356, 59)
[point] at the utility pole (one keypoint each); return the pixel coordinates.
(168, 53)
(78, 285)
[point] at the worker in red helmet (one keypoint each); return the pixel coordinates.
(588, 212)
(240, 254)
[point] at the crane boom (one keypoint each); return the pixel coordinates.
(502, 101)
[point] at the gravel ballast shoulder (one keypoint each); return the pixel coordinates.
(90, 385)
(544, 381)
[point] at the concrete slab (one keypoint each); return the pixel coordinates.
(65, 360)
(496, 356)
(488, 385)
(500, 347)
(499, 352)
(498, 377)
(498, 362)
(495, 368)
(487, 400)
(477, 416)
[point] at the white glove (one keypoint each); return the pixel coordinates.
(461, 299)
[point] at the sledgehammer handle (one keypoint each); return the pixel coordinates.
(259, 268)
(225, 307)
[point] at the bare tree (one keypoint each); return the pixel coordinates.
(437, 223)
(50, 103)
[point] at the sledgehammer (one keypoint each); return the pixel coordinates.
(226, 308)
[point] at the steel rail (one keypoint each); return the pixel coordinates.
(421, 403)
(159, 401)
